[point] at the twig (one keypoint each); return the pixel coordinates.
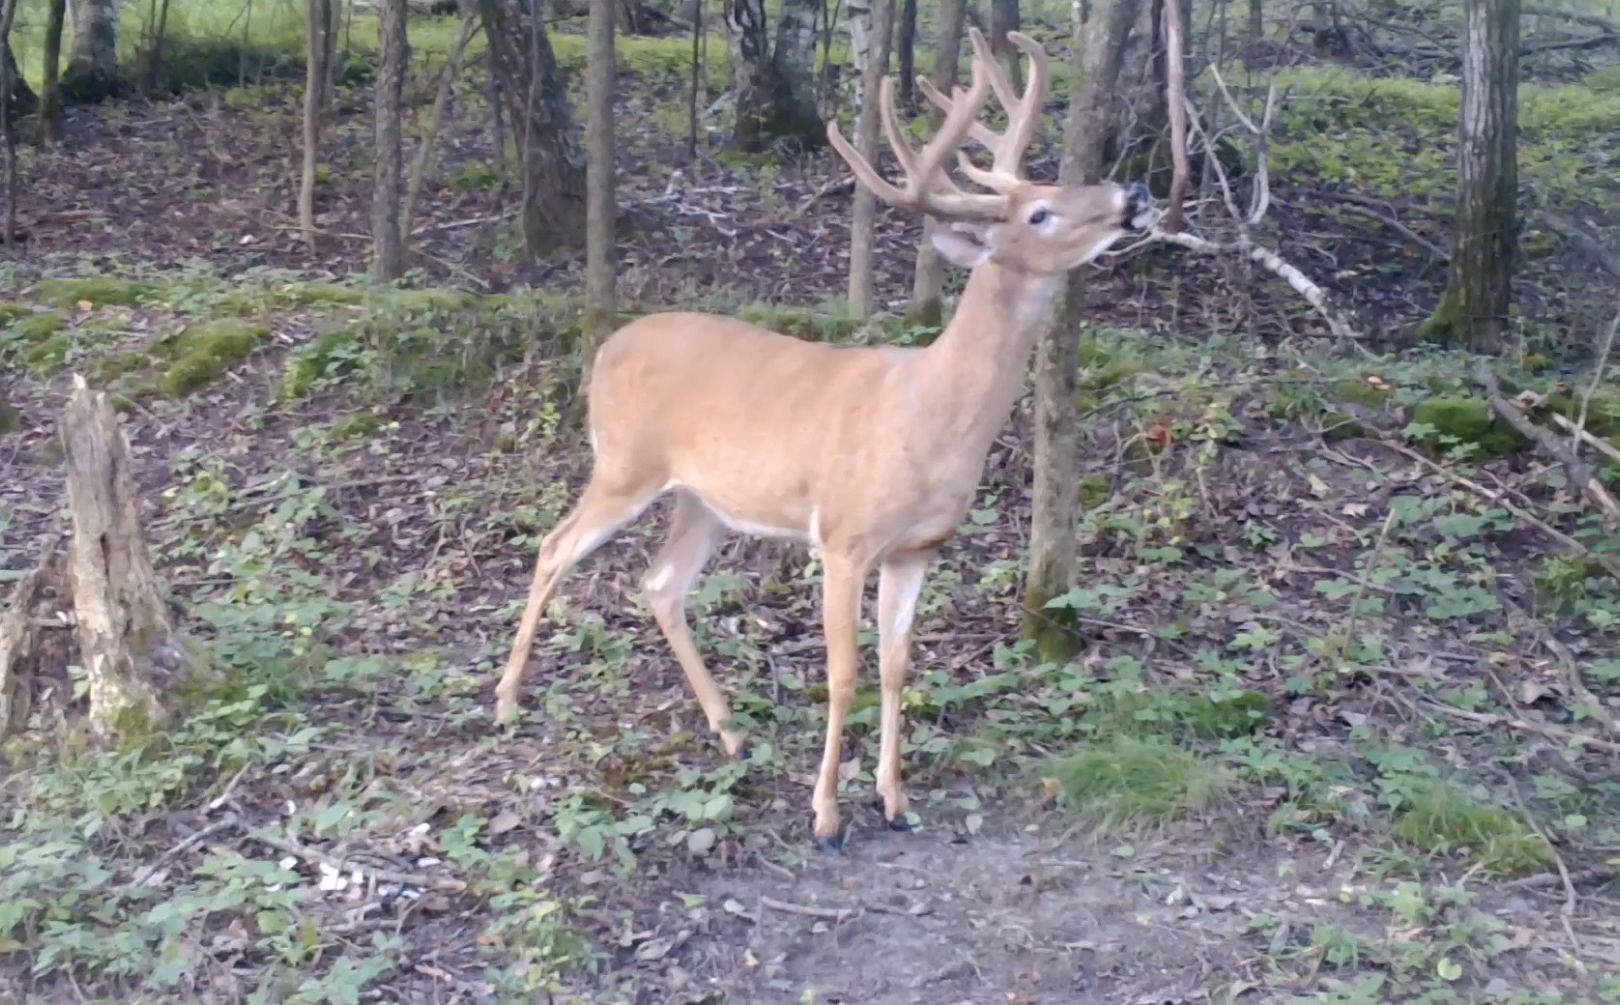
(1597, 371)
(1400, 228)
(1499, 498)
(807, 910)
(224, 824)
(1523, 725)
(1579, 473)
(292, 847)
(1568, 910)
(1361, 585)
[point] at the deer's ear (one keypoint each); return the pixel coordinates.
(964, 244)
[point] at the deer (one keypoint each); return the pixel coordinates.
(870, 455)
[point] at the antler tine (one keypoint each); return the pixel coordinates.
(926, 187)
(1023, 113)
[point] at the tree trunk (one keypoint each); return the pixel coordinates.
(1257, 21)
(600, 308)
(793, 83)
(317, 29)
(1175, 89)
(1473, 311)
(905, 46)
(1004, 17)
(863, 228)
(388, 244)
(860, 53)
(1099, 53)
(127, 645)
(10, 79)
(928, 282)
(92, 72)
(441, 106)
(50, 101)
(542, 123)
(23, 99)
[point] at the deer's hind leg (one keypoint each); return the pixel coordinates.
(605, 506)
(693, 531)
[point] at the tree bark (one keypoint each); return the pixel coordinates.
(317, 29)
(600, 306)
(388, 244)
(92, 72)
(859, 15)
(1473, 311)
(1175, 84)
(27, 652)
(774, 89)
(543, 125)
(10, 78)
(1099, 54)
(793, 62)
(1004, 17)
(50, 99)
(905, 45)
(127, 644)
(928, 282)
(863, 226)
(23, 100)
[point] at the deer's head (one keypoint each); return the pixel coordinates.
(1019, 225)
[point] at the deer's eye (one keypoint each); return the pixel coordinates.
(1038, 217)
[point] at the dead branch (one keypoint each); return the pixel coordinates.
(1275, 264)
(303, 851)
(1580, 475)
(1575, 17)
(1568, 229)
(1577, 432)
(1400, 228)
(808, 911)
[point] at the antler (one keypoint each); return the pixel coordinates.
(927, 188)
(1023, 112)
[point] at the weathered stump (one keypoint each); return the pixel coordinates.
(28, 655)
(127, 642)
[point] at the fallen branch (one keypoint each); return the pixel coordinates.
(1275, 264)
(807, 910)
(1590, 20)
(1597, 443)
(1580, 475)
(303, 851)
(1568, 229)
(1407, 232)
(203, 834)
(1589, 42)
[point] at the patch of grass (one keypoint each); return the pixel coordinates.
(98, 291)
(1439, 818)
(1126, 779)
(26, 332)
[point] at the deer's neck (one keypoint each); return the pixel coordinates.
(974, 371)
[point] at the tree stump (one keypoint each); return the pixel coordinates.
(28, 655)
(127, 642)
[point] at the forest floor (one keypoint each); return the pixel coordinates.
(1344, 729)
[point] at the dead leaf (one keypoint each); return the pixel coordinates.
(504, 821)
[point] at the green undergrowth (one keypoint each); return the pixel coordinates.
(1339, 127)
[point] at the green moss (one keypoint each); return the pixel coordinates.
(204, 351)
(1441, 819)
(13, 312)
(1465, 420)
(48, 356)
(322, 357)
(37, 327)
(1095, 489)
(99, 291)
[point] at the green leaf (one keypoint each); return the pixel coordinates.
(1448, 969)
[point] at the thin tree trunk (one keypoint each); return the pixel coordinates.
(600, 306)
(1257, 21)
(928, 282)
(127, 644)
(154, 54)
(1005, 17)
(441, 103)
(1175, 82)
(8, 116)
(92, 72)
(388, 244)
(860, 53)
(905, 44)
(50, 101)
(1473, 311)
(863, 228)
(697, 77)
(1099, 54)
(317, 26)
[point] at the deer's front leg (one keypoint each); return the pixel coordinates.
(900, 580)
(841, 605)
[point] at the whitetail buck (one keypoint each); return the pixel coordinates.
(871, 455)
